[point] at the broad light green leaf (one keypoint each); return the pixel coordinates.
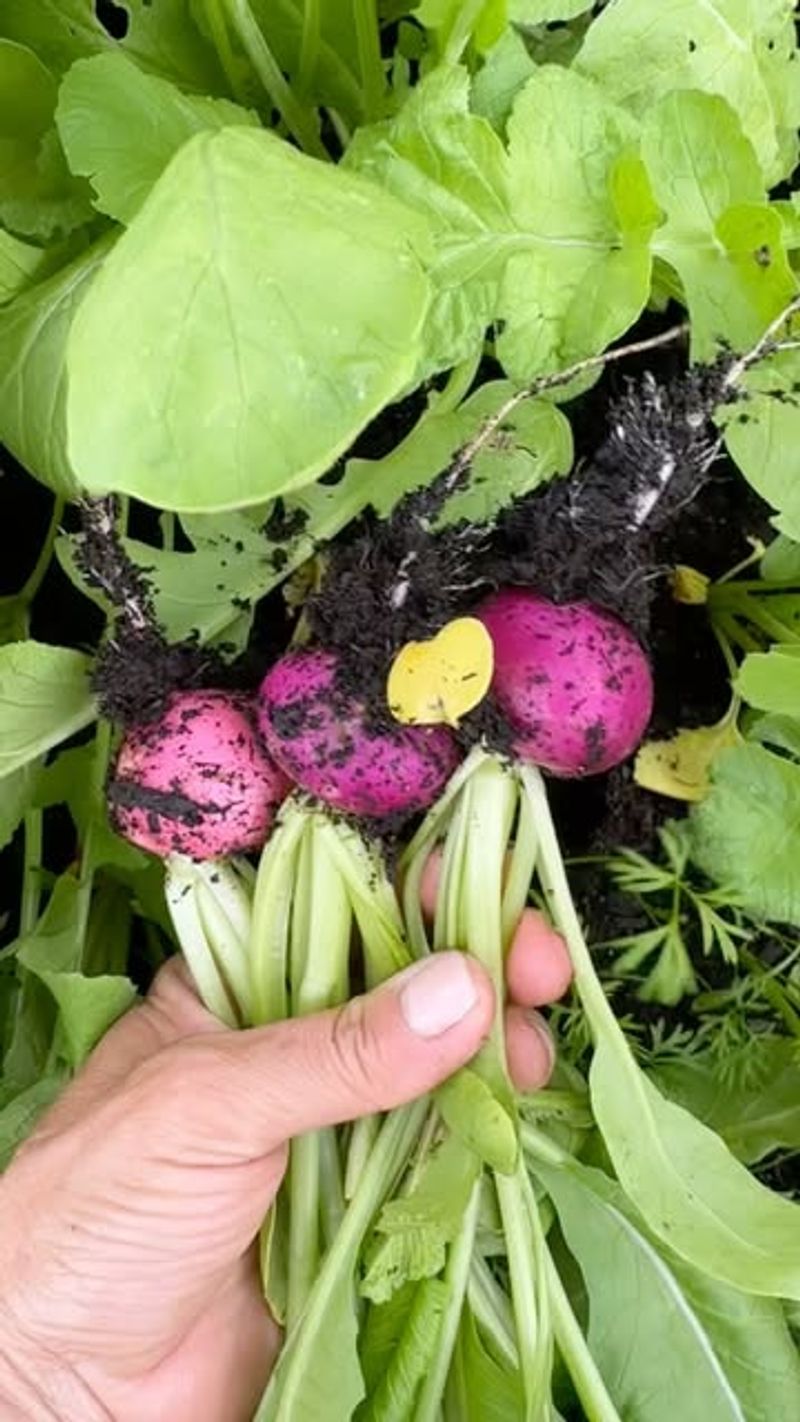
(551, 238)
(38, 196)
(652, 1350)
(754, 1117)
(453, 24)
(19, 263)
(581, 196)
(506, 68)
(44, 698)
(744, 52)
(770, 681)
(451, 166)
(746, 832)
(271, 305)
(33, 336)
(120, 127)
(720, 236)
(691, 1191)
(762, 435)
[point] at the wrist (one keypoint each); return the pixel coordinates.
(38, 1387)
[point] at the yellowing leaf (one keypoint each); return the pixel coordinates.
(689, 586)
(680, 766)
(439, 681)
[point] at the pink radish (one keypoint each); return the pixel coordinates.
(198, 781)
(572, 681)
(320, 736)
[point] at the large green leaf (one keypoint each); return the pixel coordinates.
(60, 31)
(271, 306)
(120, 127)
(550, 238)
(717, 1344)
(770, 681)
(16, 795)
(720, 236)
(744, 52)
(580, 194)
(691, 1191)
(38, 195)
(33, 337)
(44, 698)
(652, 1350)
(745, 833)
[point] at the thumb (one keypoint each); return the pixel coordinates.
(263, 1086)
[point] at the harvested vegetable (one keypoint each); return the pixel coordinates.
(198, 781)
(322, 737)
(572, 682)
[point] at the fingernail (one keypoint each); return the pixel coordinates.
(436, 994)
(544, 1034)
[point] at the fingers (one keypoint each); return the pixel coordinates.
(538, 967)
(529, 1048)
(248, 1092)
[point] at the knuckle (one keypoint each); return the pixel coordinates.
(357, 1054)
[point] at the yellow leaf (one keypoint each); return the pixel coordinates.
(680, 767)
(437, 682)
(689, 585)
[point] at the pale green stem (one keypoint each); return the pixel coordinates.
(368, 40)
(32, 873)
(298, 120)
(589, 1385)
(220, 39)
(309, 47)
(272, 903)
(456, 1278)
(319, 976)
(493, 1311)
(459, 382)
(396, 1139)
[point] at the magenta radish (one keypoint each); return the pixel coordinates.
(320, 737)
(571, 680)
(197, 781)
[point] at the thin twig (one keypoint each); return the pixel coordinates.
(764, 346)
(467, 453)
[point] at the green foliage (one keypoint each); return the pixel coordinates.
(743, 834)
(680, 911)
(288, 370)
(121, 126)
(44, 699)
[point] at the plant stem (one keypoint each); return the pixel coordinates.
(396, 1139)
(493, 1311)
(309, 47)
(297, 119)
(458, 384)
(272, 903)
(368, 39)
(461, 32)
(524, 1293)
(37, 575)
(589, 1385)
(220, 39)
(319, 977)
(31, 874)
(456, 1278)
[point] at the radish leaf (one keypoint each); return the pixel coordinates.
(120, 127)
(44, 698)
(248, 286)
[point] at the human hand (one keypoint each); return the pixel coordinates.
(127, 1223)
